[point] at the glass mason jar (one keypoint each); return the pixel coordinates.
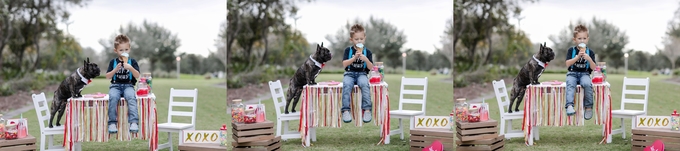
(473, 114)
(237, 111)
(675, 121)
(11, 132)
(250, 116)
(461, 110)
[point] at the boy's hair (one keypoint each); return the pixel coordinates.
(580, 28)
(355, 29)
(120, 39)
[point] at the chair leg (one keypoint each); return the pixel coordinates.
(313, 134)
(51, 141)
(42, 142)
(401, 128)
(623, 129)
(502, 126)
(170, 140)
(285, 127)
(278, 127)
(536, 135)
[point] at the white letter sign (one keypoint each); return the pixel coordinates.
(653, 122)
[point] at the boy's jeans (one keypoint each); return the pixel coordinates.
(127, 91)
(582, 78)
(348, 82)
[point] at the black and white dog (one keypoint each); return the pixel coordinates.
(306, 74)
(529, 74)
(71, 87)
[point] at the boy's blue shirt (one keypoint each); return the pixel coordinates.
(358, 65)
(123, 76)
(581, 65)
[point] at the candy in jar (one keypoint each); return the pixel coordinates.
(461, 110)
(675, 121)
(223, 135)
(473, 114)
(250, 116)
(11, 132)
(237, 109)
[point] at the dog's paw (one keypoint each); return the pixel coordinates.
(50, 126)
(286, 112)
(509, 111)
(516, 110)
(58, 124)
(292, 111)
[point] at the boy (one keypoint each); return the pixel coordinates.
(124, 72)
(580, 63)
(357, 61)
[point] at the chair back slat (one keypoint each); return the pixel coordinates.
(40, 104)
(183, 93)
(278, 96)
(413, 92)
(501, 94)
(627, 91)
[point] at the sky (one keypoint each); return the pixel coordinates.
(645, 22)
(423, 22)
(196, 23)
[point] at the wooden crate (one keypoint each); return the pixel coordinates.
(421, 138)
(494, 144)
(26, 143)
(477, 131)
(262, 131)
(266, 145)
(201, 147)
(643, 137)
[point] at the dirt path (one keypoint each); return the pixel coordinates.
(21, 101)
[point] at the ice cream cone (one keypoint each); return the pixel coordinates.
(125, 59)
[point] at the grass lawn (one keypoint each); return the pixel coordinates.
(212, 108)
(210, 113)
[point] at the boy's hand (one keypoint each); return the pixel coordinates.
(127, 66)
(582, 54)
(119, 66)
(363, 58)
(585, 56)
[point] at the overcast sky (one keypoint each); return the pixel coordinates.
(644, 22)
(195, 22)
(423, 22)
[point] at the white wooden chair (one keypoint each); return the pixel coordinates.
(40, 104)
(626, 91)
(171, 126)
(282, 119)
(506, 118)
(410, 114)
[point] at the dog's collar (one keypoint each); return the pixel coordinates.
(85, 80)
(541, 63)
(320, 65)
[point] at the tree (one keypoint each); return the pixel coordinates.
(381, 36)
(149, 40)
(605, 39)
(249, 23)
(671, 41)
(24, 24)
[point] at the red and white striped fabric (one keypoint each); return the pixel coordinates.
(544, 105)
(87, 121)
(321, 105)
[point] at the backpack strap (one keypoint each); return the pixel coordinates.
(352, 54)
(115, 63)
(573, 54)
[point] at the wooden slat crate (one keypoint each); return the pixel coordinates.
(477, 131)
(421, 138)
(26, 143)
(266, 145)
(643, 137)
(495, 144)
(253, 132)
(201, 147)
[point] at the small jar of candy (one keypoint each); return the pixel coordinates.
(11, 132)
(223, 135)
(451, 116)
(675, 121)
(250, 116)
(473, 114)
(237, 111)
(461, 110)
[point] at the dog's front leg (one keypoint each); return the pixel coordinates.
(309, 77)
(296, 99)
(62, 106)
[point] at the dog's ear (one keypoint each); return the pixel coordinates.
(321, 44)
(84, 63)
(88, 59)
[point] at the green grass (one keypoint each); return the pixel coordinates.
(210, 113)
(587, 137)
(212, 108)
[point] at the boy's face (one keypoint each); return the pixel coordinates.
(122, 48)
(358, 37)
(581, 37)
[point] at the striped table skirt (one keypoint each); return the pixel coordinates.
(87, 121)
(545, 106)
(321, 105)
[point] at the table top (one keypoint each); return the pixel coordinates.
(564, 84)
(151, 95)
(340, 85)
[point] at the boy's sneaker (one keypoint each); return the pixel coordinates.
(589, 114)
(346, 117)
(367, 116)
(134, 128)
(112, 128)
(570, 110)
